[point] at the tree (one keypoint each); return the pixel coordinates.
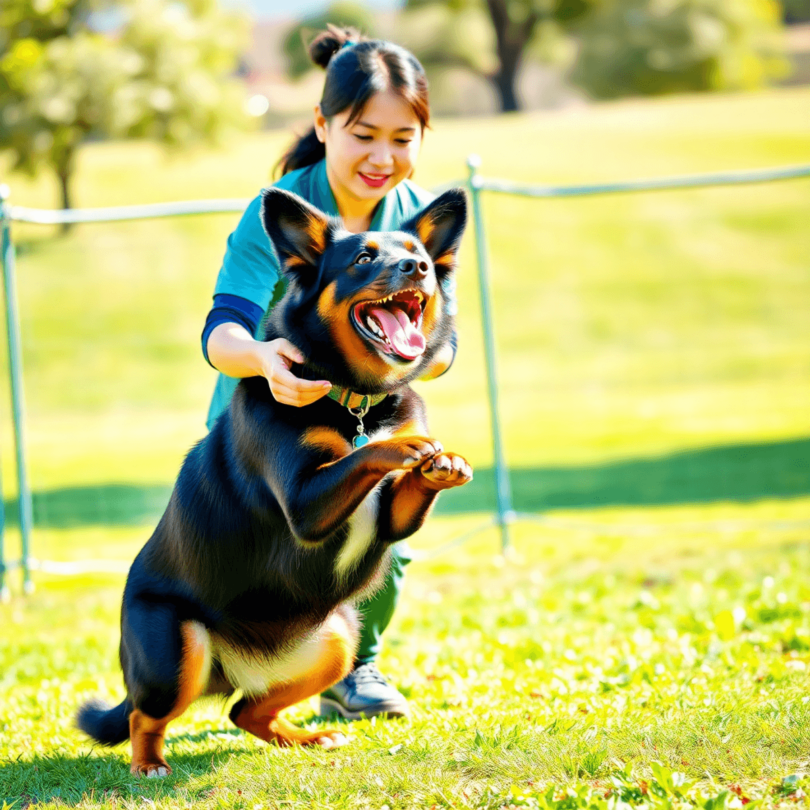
(517, 25)
(72, 69)
(667, 46)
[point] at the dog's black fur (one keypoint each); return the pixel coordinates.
(255, 545)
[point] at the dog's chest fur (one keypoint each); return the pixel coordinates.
(362, 525)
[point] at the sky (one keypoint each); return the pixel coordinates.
(269, 9)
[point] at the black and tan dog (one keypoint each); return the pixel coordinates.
(282, 517)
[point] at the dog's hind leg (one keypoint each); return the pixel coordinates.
(260, 715)
(168, 681)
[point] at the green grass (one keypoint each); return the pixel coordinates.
(653, 359)
(577, 665)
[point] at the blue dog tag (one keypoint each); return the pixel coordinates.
(360, 441)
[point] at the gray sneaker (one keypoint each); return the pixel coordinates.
(364, 692)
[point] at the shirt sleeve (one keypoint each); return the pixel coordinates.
(230, 309)
(250, 268)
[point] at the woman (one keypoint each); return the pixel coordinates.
(355, 162)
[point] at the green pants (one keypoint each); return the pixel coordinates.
(377, 611)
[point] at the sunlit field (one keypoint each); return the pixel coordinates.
(647, 638)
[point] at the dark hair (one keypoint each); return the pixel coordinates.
(356, 69)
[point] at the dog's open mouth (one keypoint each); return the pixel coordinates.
(394, 323)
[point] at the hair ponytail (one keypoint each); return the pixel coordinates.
(304, 152)
(329, 42)
(356, 69)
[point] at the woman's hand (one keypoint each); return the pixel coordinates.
(233, 351)
(276, 357)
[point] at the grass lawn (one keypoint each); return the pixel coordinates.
(579, 665)
(647, 643)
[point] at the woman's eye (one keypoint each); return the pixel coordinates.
(363, 137)
(363, 258)
(402, 141)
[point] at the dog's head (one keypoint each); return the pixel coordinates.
(368, 310)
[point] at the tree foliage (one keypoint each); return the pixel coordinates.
(650, 47)
(625, 46)
(72, 69)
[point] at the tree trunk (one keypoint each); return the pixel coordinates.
(505, 81)
(511, 39)
(64, 172)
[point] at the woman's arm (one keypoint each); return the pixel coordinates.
(233, 351)
(243, 291)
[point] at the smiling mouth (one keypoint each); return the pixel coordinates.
(374, 179)
(393, 324)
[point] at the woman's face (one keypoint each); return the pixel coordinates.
(378, 150)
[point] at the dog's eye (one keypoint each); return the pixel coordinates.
(363, 258)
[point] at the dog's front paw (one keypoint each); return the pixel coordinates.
(447, 470)
(404, 453)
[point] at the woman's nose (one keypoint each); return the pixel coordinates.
(380, 155)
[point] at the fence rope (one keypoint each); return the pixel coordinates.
(653, 184)
(73, 216)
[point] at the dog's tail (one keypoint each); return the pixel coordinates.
(109, 726)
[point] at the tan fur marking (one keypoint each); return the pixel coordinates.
(316, 230)
(327, 308)
(260, 717)
(409, 245)
(147, 733)
(429, 316)
(372, 245)
(326, 439)
(409, 428)
(409, 497)
(424, 229)
(447, 259)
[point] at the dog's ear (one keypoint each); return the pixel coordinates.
(439, 227)
(299, 232)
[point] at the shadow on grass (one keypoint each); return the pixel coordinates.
(73, 780)
(742, 472)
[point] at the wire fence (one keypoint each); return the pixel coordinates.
(29, 514)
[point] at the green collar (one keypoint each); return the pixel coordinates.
(350, 399)
(358, 405)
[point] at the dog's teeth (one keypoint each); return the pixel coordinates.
(374, 327)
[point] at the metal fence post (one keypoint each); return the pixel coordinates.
(506, 514)
(5, 593)
(15, 371)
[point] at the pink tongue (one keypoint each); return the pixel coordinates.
(405, 339)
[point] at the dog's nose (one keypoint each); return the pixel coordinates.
(411, 267)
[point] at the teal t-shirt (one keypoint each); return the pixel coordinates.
(250, 267)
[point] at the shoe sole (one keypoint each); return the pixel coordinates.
(332, 707)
